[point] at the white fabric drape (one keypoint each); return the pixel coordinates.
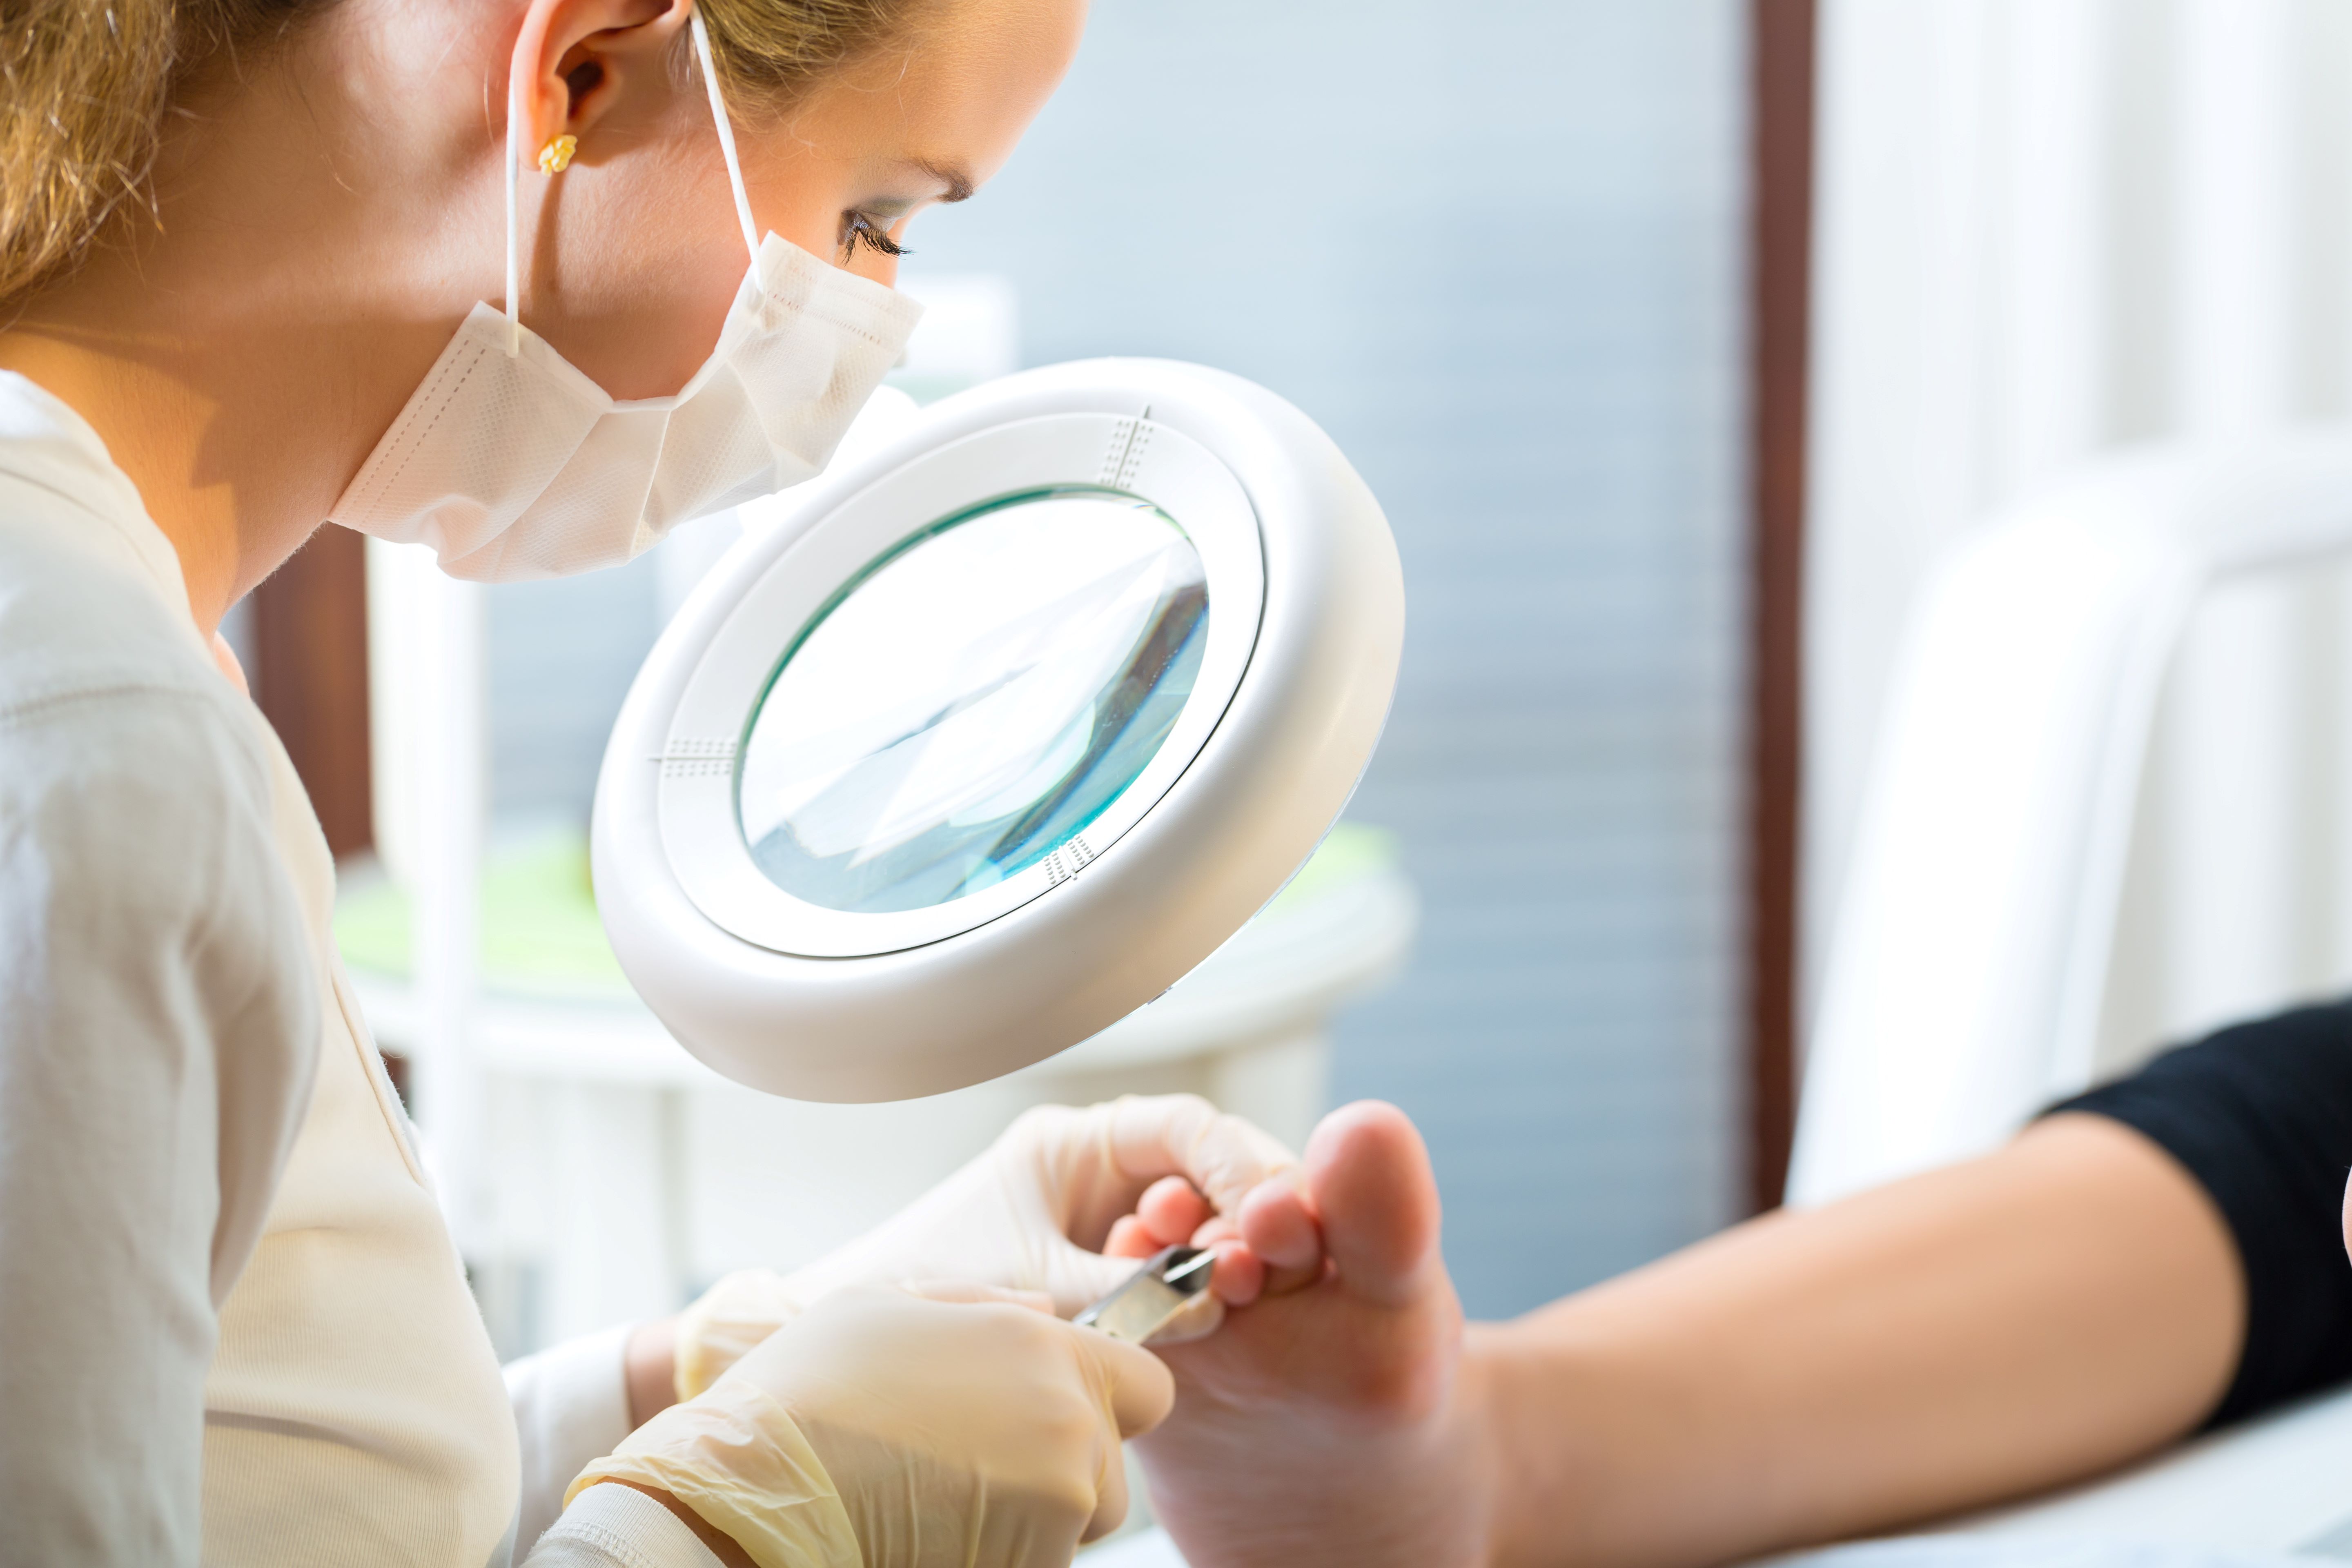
(2048, 229)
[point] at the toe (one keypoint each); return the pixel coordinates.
(1129, 1238)
(1276, 1223)
(1171, 1209)
(1239, 1276)
(1368, 1179)
(1219, 1227)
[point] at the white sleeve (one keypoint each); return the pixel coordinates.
(571, 1406)
(616, 1527)
(158, 1031)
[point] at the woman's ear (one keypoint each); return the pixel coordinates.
(574, 60)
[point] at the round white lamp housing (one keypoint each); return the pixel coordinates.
(1006, 726)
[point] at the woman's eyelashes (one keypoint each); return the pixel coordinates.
(859, 229)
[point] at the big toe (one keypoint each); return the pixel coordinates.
(1368, 1174)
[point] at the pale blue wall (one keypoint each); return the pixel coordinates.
(1495, 249)
(562, 655)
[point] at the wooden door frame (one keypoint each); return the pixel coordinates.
(310, 677)
(1782, 39)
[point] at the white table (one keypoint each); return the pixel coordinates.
(622, 1173)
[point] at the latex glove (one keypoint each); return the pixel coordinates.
(879, 1429)
(1030, 1214)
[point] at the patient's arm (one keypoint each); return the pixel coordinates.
(1977, 1333)
(1996, 1328)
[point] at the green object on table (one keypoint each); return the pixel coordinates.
(1349, 852)
(542, 936)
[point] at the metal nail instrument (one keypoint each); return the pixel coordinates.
(1172, 1280)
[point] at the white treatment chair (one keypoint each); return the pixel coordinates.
(1966, 969)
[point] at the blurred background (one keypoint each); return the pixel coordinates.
(1679, 340)
(1498, 254)
(1496, 251)
(2051, 229)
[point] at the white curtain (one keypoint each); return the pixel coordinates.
(2046, 229)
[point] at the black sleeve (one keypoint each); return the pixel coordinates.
(2261, 1114)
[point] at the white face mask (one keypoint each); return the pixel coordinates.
(510, 463)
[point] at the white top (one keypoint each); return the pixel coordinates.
(232, 1326)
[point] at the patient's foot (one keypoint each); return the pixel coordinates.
(1328, 1425)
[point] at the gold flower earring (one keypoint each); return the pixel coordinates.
(556, 156)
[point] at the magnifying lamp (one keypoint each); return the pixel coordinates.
(1009, 725)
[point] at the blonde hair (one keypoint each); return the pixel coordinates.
(85, 86)
(775, 50)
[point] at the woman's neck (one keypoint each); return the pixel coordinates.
(152, 419)
(241, 348)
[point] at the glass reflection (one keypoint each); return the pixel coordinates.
(973, 699)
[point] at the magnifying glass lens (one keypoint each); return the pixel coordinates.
(973, 700)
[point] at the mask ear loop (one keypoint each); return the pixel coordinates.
(726, 135)
(514, 256)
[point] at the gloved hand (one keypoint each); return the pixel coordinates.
(879, 1429)
(1030, 1214)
